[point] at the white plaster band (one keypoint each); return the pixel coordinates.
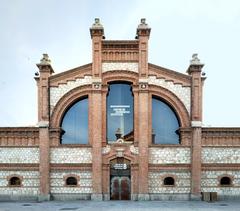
(43, 124)
(196, 123)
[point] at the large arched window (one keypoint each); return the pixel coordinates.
(75, 124)
(165, 123)
(120, 112)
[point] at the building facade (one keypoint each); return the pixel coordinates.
(119, 128)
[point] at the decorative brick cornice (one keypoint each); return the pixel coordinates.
(19, 136)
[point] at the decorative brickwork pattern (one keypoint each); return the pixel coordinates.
(58, 183)
(220, 155)
(19, 155)
(182, 182)
(169, 155)
(71, 155)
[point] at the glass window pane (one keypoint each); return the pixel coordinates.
(75, 124)
(164, 123)
(120, 112)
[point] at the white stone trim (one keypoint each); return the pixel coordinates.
(43, 124)
(196, 123)
(111, 66)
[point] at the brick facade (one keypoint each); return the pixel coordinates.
(42, 164)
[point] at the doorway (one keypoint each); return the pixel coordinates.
(120, 179)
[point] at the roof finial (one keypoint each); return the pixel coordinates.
(195, 60)
(143, 24)
(45, 60)
(97, 23)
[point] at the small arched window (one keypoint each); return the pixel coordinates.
(169, 181)
(75, 124)
(165, 124)
(71, 181)
(225, 181)
(15, 181)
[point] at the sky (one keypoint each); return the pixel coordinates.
(60, 28)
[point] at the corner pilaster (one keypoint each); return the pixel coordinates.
(195, 71)
(45, 70)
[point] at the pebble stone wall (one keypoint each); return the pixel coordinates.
(220, 155)
(182, 182)
(183, 93)
(57, 92)
(169, 155)
(71, 155)
(19, 155)
(111, 66)
(210, 182)
(30, 183)
(58, 183)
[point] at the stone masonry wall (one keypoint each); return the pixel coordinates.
(111, 66)
(19, 155)
(58, 182)
(169, 155)
(57, 92)
(182, 182)
(71, 155)
(30, 183)
(220, 155)
(183, 93)
(210, 182)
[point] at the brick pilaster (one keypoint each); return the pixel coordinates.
(45, 70)
(194, 71)
(143, 126)
(97, 34)
(143, 33)
(96, 129)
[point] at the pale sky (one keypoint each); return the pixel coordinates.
(60, 28)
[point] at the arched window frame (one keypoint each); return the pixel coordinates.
(65, 178)
(228, 176)
(83, 97)
(118, 82)
(157, 97)
(169, 176)
(10, 177)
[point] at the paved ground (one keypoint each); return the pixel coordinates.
(120, 205)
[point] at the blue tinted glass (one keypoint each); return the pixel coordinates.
(119, 112)
(164, 123)
(75, 124)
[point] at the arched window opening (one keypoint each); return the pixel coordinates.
(169, 181)
(225, 181)
(75, 124)
(165, 124)
(14, 181)
(120, 112)
(71, 181)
